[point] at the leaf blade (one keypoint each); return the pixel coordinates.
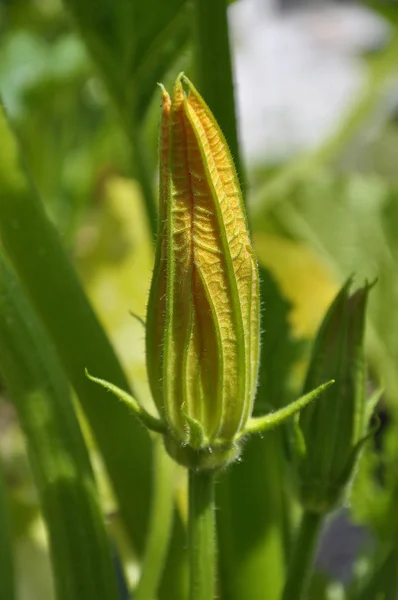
(79, 546)
(48, 277)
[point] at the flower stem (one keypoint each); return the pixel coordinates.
(302, 559)
(214, 69)
(201, 535)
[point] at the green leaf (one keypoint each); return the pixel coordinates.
(79, 546)
(7, 588)
(374, 499)
(350, 222)
(382, 584)
(174, 583)
(55, 292)
(132, 43)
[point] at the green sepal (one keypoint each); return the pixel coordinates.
(272, 420)
(138, 318)
(299, 445)
(352, 459)
(196, 433)
(146, 419)
(371, 404)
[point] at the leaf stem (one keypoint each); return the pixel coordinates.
(214, 69)
(302, 559)
(201, 535)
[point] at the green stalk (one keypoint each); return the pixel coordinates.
(160, 525)
(214, 69)
(302, 559)
(201, 535)
(7, 588)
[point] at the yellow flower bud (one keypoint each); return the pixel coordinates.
(203, 315)
(203, 319)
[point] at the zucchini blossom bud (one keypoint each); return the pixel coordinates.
(203, 320)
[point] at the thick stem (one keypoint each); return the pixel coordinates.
(214, 69)
(302, 559)
(201, 535)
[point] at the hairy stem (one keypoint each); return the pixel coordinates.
(201, 535)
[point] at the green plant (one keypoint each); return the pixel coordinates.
(272, 489)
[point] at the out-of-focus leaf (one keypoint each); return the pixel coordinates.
(319, 587)
(115, 257)
(374, 496)
(350, 223)
(35, 579)
(386, 8)
(253, 527)
(79, 546)
(304, 280)
(7, 590)
(382, 582)
(34, 248)
(63, 60)
(132, 42)
(381, 68)
(61, 117)
(251, 522)
(279, 349)
(161, 524)
(174, 583)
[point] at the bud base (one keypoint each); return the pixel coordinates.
(205, 459)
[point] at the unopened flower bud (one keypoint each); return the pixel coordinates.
(203, 315)
(203, 318)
